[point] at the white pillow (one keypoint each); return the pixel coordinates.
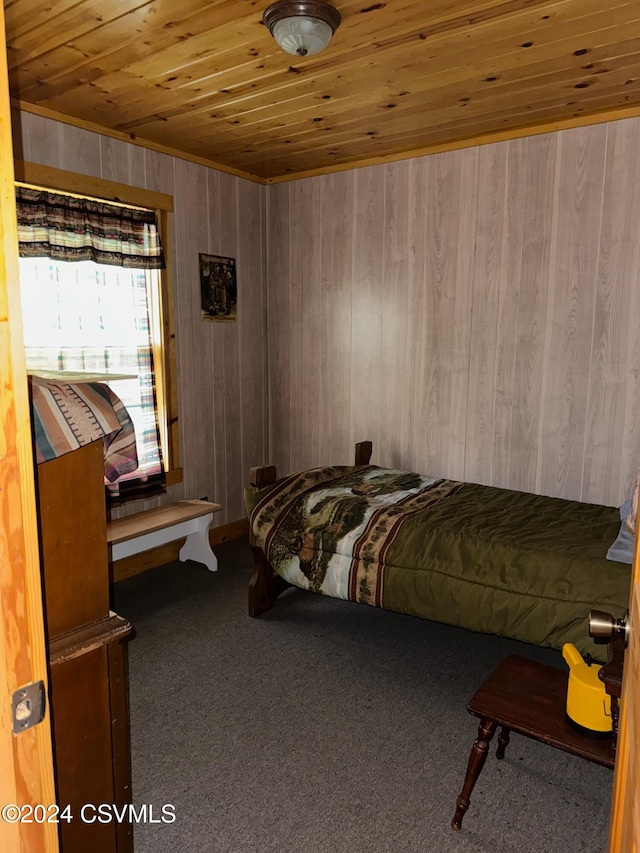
(622, 549)
(631, 517)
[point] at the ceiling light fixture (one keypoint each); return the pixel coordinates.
(302, 27)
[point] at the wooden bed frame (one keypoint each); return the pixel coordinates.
(464, 539)
(265, 586)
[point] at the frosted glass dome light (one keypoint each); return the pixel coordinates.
(301, 27)
(304, 36)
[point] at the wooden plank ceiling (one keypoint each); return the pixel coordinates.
(204, 77)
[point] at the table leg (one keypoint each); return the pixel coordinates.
(477, 758)
(615, 712)
(503, 741)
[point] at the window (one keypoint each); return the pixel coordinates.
(96, 320)
(106, 320)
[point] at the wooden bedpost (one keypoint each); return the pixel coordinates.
(263, 475)
(363, 452)
(265, 586)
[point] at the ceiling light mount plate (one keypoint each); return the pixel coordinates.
(302, 27)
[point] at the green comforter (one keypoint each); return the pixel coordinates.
(492, 560)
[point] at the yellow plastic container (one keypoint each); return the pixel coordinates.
(588, 704)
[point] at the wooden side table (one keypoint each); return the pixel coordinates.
(611, 677)
(529, 698)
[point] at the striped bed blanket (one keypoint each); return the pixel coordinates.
(502, 562)
(66, 416)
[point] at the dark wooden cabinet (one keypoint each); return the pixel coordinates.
(87, 653)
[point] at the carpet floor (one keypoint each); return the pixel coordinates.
(328, 726)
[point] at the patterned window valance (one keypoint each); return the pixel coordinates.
(66, 228)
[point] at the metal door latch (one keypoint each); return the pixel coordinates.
(27, 706)
(604, 627)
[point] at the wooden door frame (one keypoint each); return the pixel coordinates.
(624, 832)
(26, 759)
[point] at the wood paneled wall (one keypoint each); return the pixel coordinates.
(221, 367)
(474, 313)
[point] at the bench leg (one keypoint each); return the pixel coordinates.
(478, 756)
(197, 546)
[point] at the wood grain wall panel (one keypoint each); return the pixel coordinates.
(337, 296)
(577, 217)
(137, 163)
(252, 328)
(279, 331)
(79, 151)
(303, 413)
(41, 139)
(395, 362)
(461, 241)
(18, 141)
(508, 276)
(449, 238)
(616, 318)
(322, 260)
(195, 373)
(533, 287)
(115, 160)
(482, 436)
(211, 372)
(630, 445)
(213, 352)
(230, 224)
(367, 393)
(629, 277)
(506, 442)
(438, 314)
(315, 318)
(158, 173)
(514, 309)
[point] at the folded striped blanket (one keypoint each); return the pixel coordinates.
(66, 416)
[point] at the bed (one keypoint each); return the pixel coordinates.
(486, 559)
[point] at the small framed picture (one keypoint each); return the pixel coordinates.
(218, 288)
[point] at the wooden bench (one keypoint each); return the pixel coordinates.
(134, 534)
